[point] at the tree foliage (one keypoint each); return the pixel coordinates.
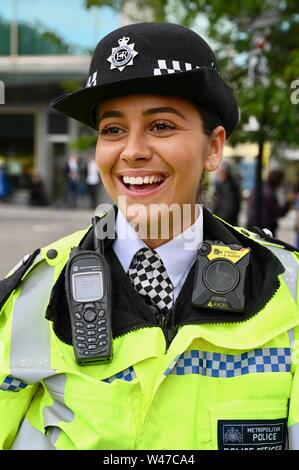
(35, 39)
(231, 26)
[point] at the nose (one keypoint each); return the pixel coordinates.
(136, 148)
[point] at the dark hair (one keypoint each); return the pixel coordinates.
(209, 119)
(275, 178)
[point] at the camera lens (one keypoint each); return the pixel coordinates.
(221, 276)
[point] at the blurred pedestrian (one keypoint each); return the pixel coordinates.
(72, 176)
(15, 172)
(227, 195)
(37, 192)
(4, 186)
(271, 208)
(92, 181)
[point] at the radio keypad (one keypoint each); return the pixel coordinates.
(88, 313)
(80, 338)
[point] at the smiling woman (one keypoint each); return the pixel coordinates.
(189, 305)
(149, 147)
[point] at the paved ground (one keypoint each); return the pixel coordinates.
(24, 229)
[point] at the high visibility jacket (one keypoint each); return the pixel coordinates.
(218, 386)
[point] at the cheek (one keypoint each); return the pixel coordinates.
(98, 155)
(103, 159)
(191, 164)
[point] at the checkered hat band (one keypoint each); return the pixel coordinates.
(150, 279)
(128, 375)
(12, 384)
(213, 364)
(166, 66)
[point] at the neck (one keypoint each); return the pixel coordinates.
(166, 227)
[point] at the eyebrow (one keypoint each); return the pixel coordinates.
(148, 112)
(109, 114)
(163, 109)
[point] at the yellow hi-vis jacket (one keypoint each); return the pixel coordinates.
(218, 386)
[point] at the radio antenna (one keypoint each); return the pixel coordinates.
(98, 230)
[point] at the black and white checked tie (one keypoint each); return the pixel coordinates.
(149, 277)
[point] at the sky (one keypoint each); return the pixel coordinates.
(67, 18)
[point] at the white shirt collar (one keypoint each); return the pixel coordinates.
(177, 254)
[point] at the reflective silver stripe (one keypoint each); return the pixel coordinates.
(38, 258)
(30, 337)
(30, 438)
(291, 334)
(58, 411)
(294, 437)
(290, 275)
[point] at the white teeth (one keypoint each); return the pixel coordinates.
(139, 180)
(143, 179)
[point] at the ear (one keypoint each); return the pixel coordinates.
(215, 149)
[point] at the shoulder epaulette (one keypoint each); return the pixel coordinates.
(8, 284)
(269, 238)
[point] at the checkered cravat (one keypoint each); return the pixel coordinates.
(149, 277)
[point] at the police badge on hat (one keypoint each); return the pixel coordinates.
(122, 55)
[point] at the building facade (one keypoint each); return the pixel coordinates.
(45, 48)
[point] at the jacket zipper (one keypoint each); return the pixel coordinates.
(166, 322)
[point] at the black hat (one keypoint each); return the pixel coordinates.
(152, 58)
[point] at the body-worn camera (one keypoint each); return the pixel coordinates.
(220, 274)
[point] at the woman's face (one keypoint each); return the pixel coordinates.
(152, 149)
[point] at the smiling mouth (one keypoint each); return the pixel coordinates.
(142, 183)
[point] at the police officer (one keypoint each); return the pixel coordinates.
(204, 317)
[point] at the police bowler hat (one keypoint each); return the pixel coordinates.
(152, 58)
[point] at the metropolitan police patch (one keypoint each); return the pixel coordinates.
(122, 55)
(262, 434)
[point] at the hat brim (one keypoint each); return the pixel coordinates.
(203, 86)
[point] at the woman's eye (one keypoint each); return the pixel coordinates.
(162, 126)
(111, 130)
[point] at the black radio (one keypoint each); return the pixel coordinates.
(88, 288)
(220, 274)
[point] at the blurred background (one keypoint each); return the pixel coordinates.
(49, 184)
